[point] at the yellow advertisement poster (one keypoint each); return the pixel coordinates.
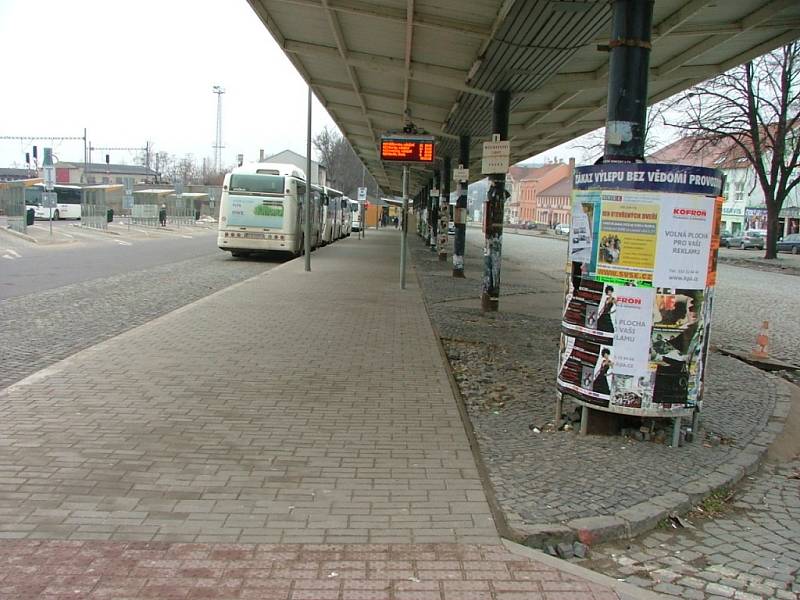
(626, 245)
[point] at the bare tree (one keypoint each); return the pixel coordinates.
(753, 110)
(345, 171)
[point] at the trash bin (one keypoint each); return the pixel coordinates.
(29, 216)
(110, 215)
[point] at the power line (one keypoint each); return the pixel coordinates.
(40, 137)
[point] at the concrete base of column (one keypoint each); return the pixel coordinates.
(489, 304)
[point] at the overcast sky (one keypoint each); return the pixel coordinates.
(133, 71)
(129, 72)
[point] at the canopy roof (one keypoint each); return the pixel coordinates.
(372, 62)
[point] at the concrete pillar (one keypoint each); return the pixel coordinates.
(460, 213)
(436, 190)
(493, 219)
(444, 210)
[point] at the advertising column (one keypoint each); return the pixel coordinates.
(642, 259)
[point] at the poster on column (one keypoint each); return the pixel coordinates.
(627, 239)
(684, 241)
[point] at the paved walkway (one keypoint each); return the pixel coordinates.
(293, 436)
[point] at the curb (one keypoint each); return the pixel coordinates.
(645, 516)
(65, 362)
(625, 591)
(498, 516)
(23, 236)
(639, 518)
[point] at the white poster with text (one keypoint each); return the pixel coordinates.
(633, 323)
(684, 242)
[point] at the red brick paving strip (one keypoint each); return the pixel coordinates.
(56, 570)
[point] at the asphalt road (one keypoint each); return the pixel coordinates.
(26, 268)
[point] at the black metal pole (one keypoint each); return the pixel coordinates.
(435, 187)
(629, 66)
(460, 213)
(444, 209)
(496, 198)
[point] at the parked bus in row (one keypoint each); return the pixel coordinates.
(355, 216)
(68, 202)
(261, 210)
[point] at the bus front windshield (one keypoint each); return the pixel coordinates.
(256, 185)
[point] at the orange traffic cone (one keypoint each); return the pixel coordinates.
(762, 341)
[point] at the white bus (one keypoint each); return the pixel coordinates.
(261, 210)
(331, 215)
(355, 218)
(68, 202)
(347, 217)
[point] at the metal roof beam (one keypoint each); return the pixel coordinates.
(445, 77)
(752, 20)
(398, 15)
(692, 30)
(391, 118)
(379, 94)
(679, 17)
(343, 53)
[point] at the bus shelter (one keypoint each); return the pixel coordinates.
(184, 209)
(12, 203)
(146, 204)
(97, 201)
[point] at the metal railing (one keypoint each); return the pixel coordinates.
(94, 216)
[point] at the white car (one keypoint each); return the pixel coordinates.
(561, 229)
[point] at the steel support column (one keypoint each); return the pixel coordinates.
(629, 65)
(444, 210)
(460, 213)
(493, 219)
(435, 191)
(404, 232)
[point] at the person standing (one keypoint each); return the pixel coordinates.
(162, 215)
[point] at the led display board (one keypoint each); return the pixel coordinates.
(407, 149)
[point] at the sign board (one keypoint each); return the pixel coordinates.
(362, 194)
(434, 192)
(49, 172)
(461, 174)
(49, 199)
(405, 148)
(495, 156)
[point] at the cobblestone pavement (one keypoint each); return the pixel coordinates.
(750, 551)
(119, 571)
(44, 327)
(505, 365)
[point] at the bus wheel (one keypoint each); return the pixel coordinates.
(56, 216)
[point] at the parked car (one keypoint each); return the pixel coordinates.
(561, 229)
(725, 239)
(791, 243)
(752, 238)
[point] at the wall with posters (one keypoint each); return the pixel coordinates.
(642, 249)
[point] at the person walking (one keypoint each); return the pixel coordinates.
(162, 215)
